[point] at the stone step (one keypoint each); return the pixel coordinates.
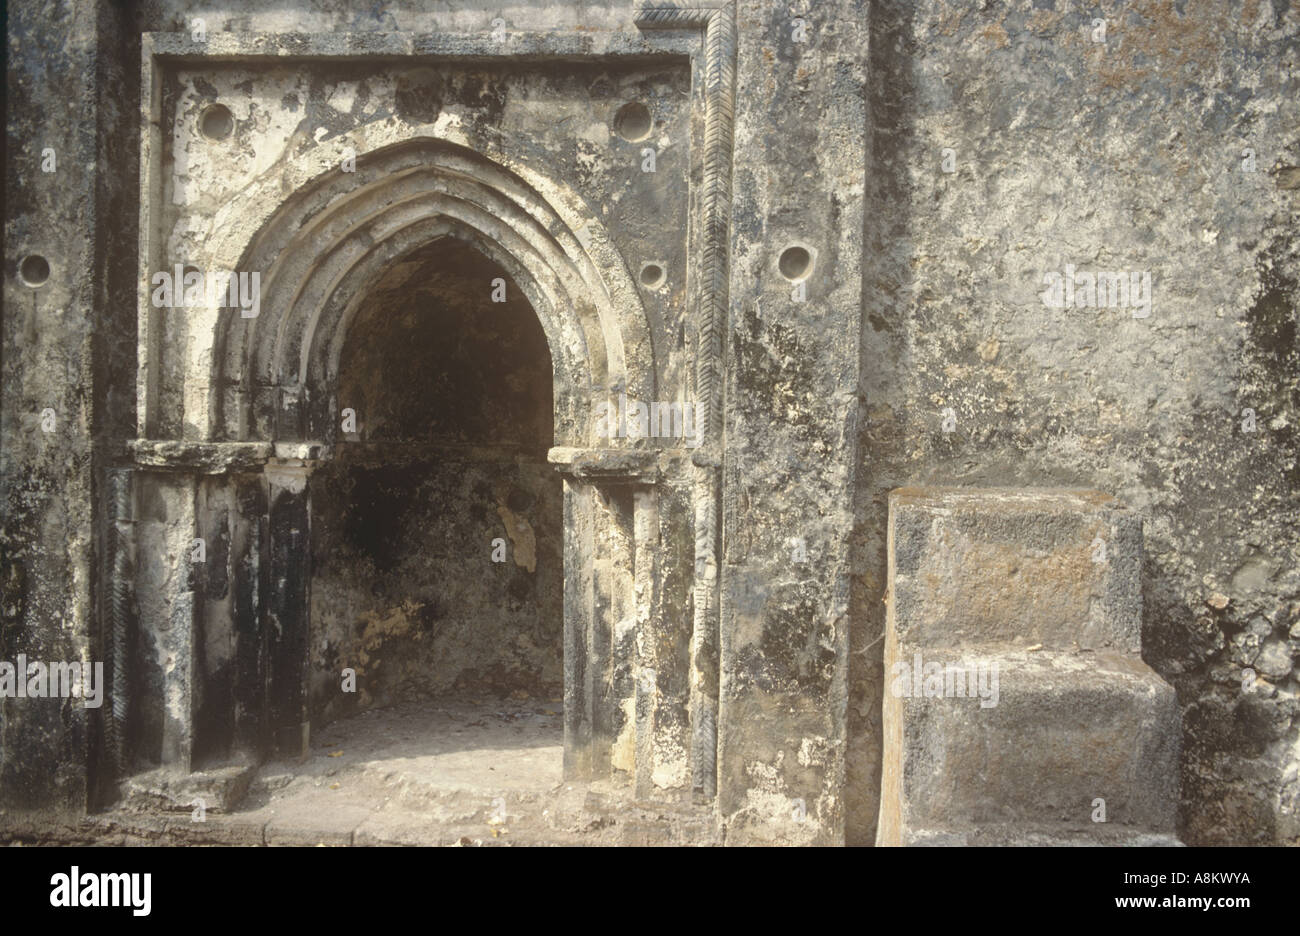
(1026, 835)
(168, 789)
(1041, 739)
(1055, 568)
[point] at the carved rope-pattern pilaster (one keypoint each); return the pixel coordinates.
(711, 302)
(719, 25)
(121, 586)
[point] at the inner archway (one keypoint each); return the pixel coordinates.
(425, 510)
(436, 531)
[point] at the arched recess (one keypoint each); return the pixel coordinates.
(319, 252)
(330, 241)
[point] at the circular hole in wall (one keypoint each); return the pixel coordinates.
(632, 122)
(34, 270)
(216, 122)
(653, 276)
(795, 263)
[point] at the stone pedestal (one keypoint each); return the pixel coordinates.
(1017, 707)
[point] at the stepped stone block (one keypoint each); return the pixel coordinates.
(1017, 707)
(219, 789)
(976, 568)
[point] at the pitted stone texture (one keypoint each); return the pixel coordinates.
(1016, 568)
(1017, 708)
(216, 789)
(1066, 730)
(1138, 153)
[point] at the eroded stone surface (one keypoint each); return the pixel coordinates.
(1017, 704)
(929, 164)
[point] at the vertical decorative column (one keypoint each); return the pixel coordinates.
(170, 555)
(287, 605)
(578, 612)
(613, 633)
(248, 692)
(651, 654)
(162, 664)
(717, 20)
(120, 598)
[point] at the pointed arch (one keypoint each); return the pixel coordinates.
(321, 249)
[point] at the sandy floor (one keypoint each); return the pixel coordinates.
(489, 747)
(419, 772)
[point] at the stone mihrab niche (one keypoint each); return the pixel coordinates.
(556, 416)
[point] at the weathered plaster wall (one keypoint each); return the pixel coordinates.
(66, 349)
(922, 296)
(792, 412)
(1127, 155)
(287, 118)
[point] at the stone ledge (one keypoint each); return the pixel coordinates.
(1032, 499)
(1059, 731)
(200, 457)
(1104, 835)
(560, 44)
(636, 466)
(221, 457)
(221, 789)
(978, 567)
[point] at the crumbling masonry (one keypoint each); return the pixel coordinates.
(837, 423)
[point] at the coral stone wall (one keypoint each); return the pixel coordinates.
(1009, 142)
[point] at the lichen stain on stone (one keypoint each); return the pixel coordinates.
(1163, 40)
(996, 35)
(377, 627)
